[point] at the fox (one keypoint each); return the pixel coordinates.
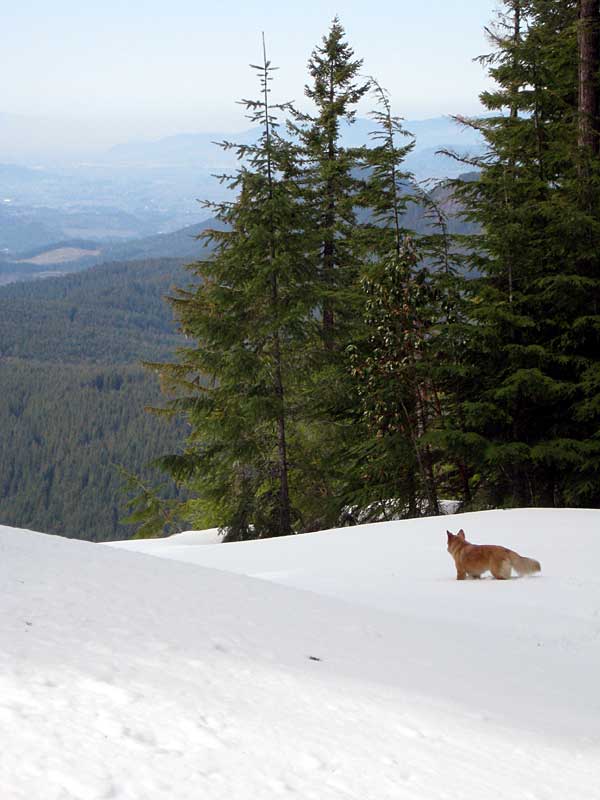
(472, 560)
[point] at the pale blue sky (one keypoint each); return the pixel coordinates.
(155, 68)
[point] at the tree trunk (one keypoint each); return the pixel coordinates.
(514, 115)
(463, 471)
(589, 59)
(285, 515)
(514, 108)
(328, 278)
(329, 243)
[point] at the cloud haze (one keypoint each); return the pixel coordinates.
(100, 75)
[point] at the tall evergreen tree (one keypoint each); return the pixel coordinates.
(330, 184)
(405, 366)
(391, 464)
(387, 187)
(395, 391)
(583, 335)
(291, 230)
(537, 255)
(330, 191)
(247, 318)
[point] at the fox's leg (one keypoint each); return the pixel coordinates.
(460, 575)
(501, 570)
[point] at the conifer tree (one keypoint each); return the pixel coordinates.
(396, 395)
(387, 187)
(410, 369)
(583, 334)
(534, 304)
(247, 320)
(395, 469)
(330, 187)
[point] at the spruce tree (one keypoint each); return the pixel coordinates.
(583, 334)
(387, 187)
(247, 320)
(393, 382)
(391, 465)
(410, 368)
(534, 305)
(330, 185)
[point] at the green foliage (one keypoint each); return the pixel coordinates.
(387, 189)
(407, 368)
(269, 392)
(250, 319)
(113, 314)
(392, 372)
(534, 309)
(150, 508)
(65, 430)
(330, 187)
(74, 394)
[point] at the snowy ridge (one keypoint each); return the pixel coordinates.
(370, 674)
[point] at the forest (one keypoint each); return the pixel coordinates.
(344, 367)
(74, 392)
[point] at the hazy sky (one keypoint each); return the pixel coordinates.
(132, 69)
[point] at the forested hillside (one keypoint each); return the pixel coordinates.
(73, 393)
(114, 314)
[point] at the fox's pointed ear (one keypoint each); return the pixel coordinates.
(461, 534)
(450, 535)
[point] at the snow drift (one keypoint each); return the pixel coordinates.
(358, 669)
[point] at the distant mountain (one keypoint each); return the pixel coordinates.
(429, 163)
(25, 228)
(183, 243)
(181, 149)
(73, 255)
(428, 133)
(111, 314)
(200, 148)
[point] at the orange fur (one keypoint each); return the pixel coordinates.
(472, 560)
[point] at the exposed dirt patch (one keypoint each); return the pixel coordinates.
(60, 255)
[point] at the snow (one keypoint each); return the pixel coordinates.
(178, 540)
(346, 664)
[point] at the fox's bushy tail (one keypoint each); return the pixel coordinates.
(523, 565)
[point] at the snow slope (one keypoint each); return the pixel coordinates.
(359, 669)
